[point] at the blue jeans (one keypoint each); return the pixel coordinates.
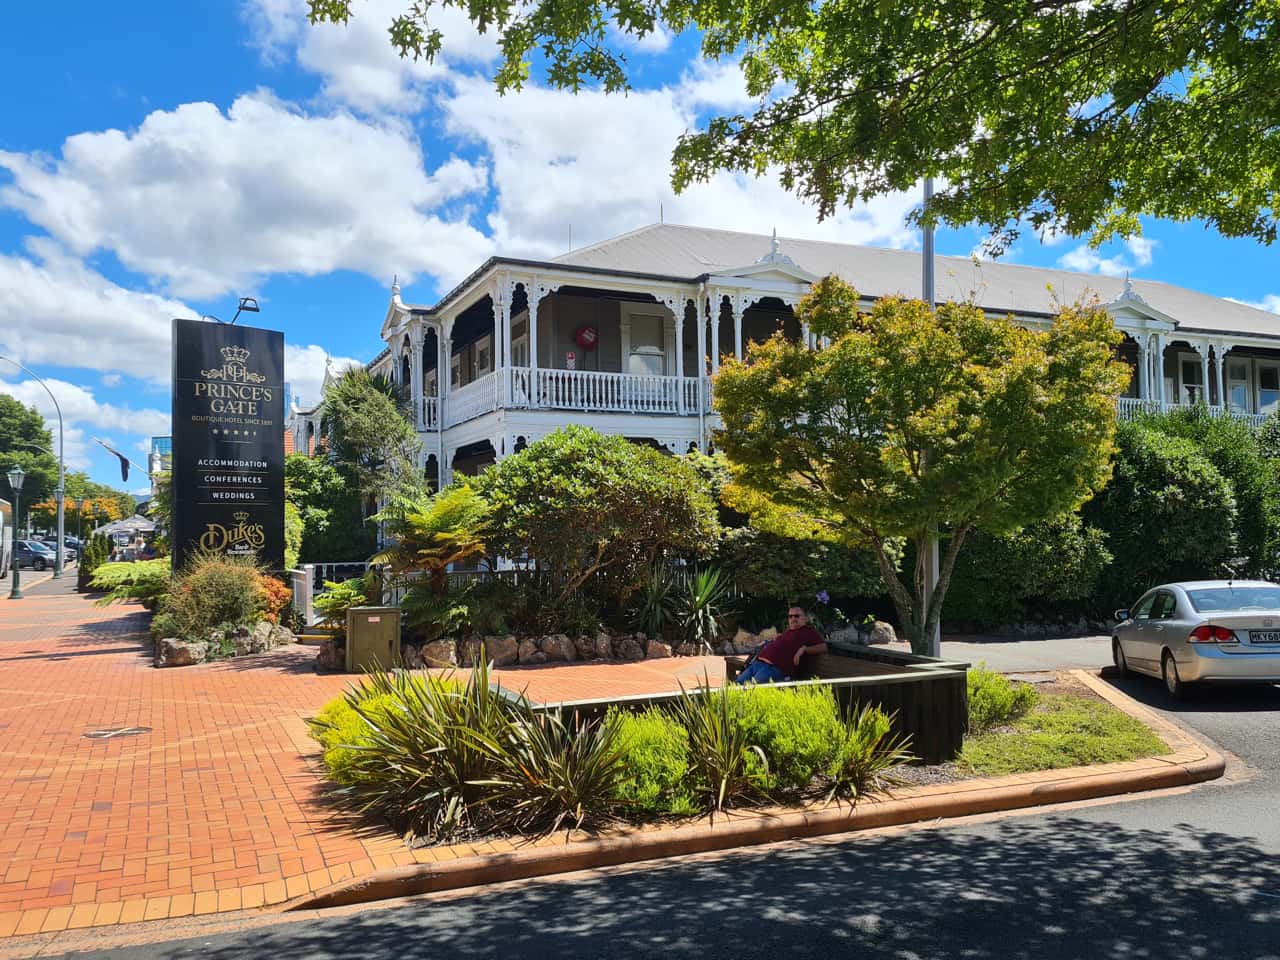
(758, 671)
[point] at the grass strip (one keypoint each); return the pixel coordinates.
(1062, 731)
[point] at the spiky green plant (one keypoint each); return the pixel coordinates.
(868, 753)
(551, 772)
(430, 534)
(702, 605)
(725, 765)
(655, 606)
(426, 761)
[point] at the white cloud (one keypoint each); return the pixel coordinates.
(1087, 260)
(81, 409)
(53, 309)
(210, 202)
(356, 62)
(1141, 248)
(1270, 303)
(304, 371)
(549, 173)
(657, 40)
(111, 379)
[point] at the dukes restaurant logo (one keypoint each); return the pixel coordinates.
(233, 387)
(240, 538)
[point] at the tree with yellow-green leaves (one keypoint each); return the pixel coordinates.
(916, 423)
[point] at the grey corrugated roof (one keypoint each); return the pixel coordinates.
(681, 251)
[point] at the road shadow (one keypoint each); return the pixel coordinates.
(1062, 889)
(1198, 698)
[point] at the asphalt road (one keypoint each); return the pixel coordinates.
(1187, 874)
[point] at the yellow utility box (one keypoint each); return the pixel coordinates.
(373, 638)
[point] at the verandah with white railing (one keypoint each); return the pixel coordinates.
(1130, 408)
(582, 390)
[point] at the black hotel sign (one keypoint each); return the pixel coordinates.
(228, 441)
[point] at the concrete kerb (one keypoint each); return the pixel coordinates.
(1188, 762)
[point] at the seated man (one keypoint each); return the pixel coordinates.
(779, 659)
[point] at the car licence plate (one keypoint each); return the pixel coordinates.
(1264, 636)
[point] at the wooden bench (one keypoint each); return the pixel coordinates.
(928, 698)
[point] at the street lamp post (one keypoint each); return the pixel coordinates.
(932, 567)
(80, 525)
(62, 477)
(16, 476)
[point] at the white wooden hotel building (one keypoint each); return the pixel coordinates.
(624, 336)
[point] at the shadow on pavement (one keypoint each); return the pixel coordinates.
(1201, 698)
(1062, 888)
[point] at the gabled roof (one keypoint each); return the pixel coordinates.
(695, 252)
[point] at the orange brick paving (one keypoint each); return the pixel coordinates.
(218, 807)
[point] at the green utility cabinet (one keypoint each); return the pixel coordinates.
(373, 638)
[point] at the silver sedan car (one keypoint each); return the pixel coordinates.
(1204, 630)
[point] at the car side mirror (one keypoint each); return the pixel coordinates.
(1122, 615)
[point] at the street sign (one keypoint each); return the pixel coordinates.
(228, 441)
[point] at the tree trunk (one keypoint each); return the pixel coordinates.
(918, 620)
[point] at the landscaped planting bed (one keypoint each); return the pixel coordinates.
(438, 758)
(442, 759)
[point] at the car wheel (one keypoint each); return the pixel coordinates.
(38, 563)
(1172, 681)
(1118, 658)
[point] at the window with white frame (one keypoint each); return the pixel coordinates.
(1268, 387)
(648, 346)
(1192, 380)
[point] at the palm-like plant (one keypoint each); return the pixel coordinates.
(429, 534)
(724, 763)
(868, 754)
(703, 604)
(656, 605)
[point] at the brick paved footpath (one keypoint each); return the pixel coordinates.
(217, 806)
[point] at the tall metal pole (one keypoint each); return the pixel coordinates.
(62, 472)
(932, 565)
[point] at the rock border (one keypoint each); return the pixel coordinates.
(1189, 762)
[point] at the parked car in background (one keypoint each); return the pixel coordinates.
(69, 553)
(6, 538)
(1201, 631)
(33, 554)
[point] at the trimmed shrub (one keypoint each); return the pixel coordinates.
(145, 581)
(1237, 453)
(343, 732)
(1049, 568)
(788, 570)
(656, 749)
(995, 700)
(1169, 514)
(798, 731)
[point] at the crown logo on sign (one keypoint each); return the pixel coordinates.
(240, 516)
(235, 354)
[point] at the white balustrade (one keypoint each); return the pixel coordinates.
(606, 392)
(477, 398)
(1130, 408)
(431, 413)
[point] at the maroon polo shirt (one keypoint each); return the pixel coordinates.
(781, 650)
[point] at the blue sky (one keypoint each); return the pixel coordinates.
(160, 159)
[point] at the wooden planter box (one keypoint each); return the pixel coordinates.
(928, 697)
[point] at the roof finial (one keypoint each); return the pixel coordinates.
(775, 254)
(395, 284)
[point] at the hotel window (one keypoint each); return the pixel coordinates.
(1268, 388)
